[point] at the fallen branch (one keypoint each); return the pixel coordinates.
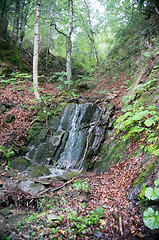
(56, 189)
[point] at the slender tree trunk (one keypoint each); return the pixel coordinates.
(16, 19)
(36, 47)
(91, 34)
(69, 42)
(3, 11)
(24, 14)
(3, 20)
(49, 38)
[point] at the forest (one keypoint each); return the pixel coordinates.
(79, 119)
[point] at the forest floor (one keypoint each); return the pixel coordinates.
(109, 190)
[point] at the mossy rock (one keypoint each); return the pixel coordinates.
(20, 163)
(39, 171)
(60, 108)
(145, 174)
(34, 130)
(110, 154)
(13, 57)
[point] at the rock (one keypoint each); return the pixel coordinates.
(26, 236)
(97, 233)
(56, 139)
(52, 217)
(54, 224)
(38, 171)
(5, 211)
(31, 187)
(2, 226)
(65, 143)
(20, 163)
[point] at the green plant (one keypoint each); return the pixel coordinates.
(136, 121)
(64, 86)
(7, 152)
(79, 224)
(151, 217)
(81, 185)
(15, 79)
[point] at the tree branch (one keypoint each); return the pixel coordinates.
(54, 24)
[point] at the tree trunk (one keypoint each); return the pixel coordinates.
(3, 20)
(16, 20)
(24, 14)
(35, 54)
(49, 38)
(91, 34)
(68, 42)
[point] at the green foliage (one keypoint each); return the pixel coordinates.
(64, 86)
(15, 78)
(81, 185)
(138, 120)
(7, 152)
(80, 223)
(151, 217)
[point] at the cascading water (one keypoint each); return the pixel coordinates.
(67, 142)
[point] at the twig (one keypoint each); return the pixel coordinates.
(58, 188)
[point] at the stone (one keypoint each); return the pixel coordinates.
(39, 170)
(31, 187)
(52, 217)
(3, 229)
(20, 163)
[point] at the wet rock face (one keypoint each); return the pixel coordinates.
(77, 134)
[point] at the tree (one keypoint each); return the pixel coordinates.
(90, 32)
(16, 19)
(36, 47)
(3, 19)
(24, 15)
(149, 7)
(68, 40)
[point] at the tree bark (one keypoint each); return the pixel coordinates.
(24, 14)
(69, 42)
(16, 20)
(36, 48)
(91, 34)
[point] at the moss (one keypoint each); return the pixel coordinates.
(12, 56)
(60, 108)
(110, 154)
(72, 175)
(39, 170)
(144, 174)
(4, 45)
(20, 163)
(34, 130)
(42, 115)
